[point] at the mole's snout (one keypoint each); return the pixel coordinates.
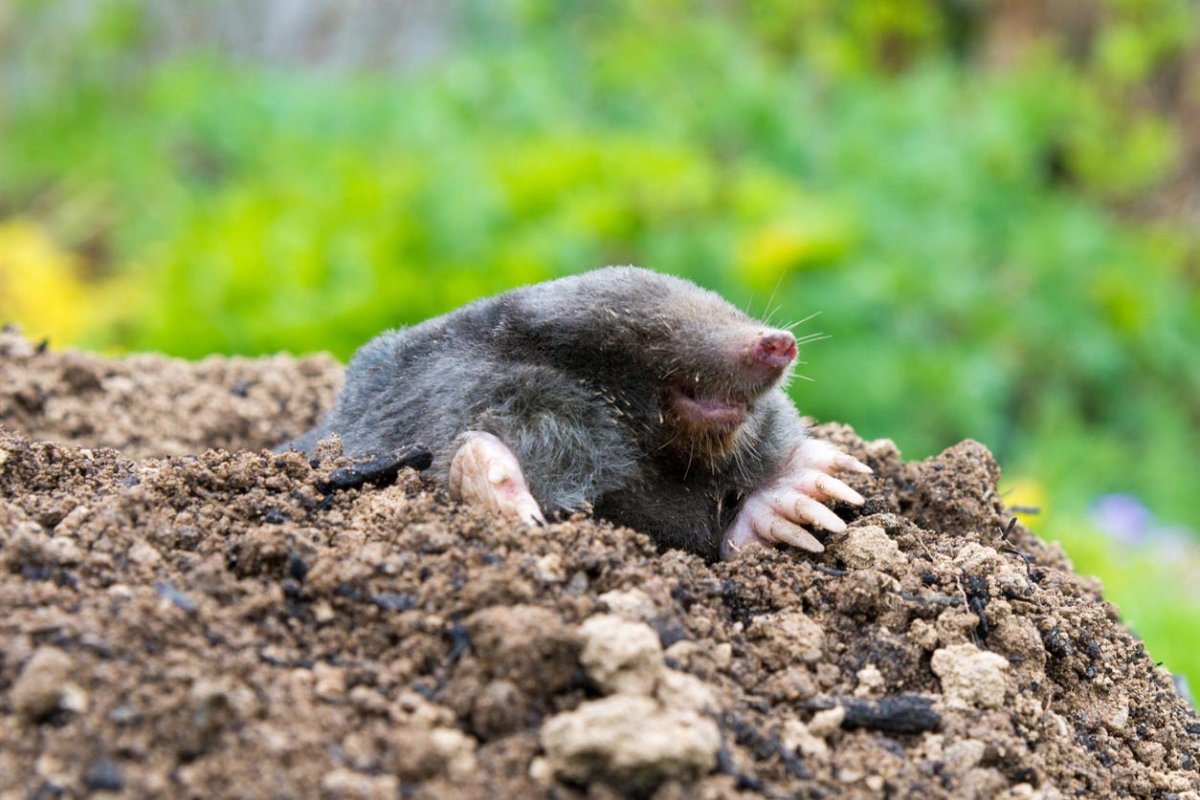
(774, 350)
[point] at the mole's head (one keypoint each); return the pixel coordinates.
(686, 364)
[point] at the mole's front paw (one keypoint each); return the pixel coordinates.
(484, 472)
(776, 511)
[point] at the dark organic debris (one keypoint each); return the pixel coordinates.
(104, 775)
(764, 746)
(902, 713)
(391, 601)
(273, 516)
(380, 472)
(978, 597)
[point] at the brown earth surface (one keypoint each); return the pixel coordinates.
(180, 621)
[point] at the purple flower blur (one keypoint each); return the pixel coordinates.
(1123, 517)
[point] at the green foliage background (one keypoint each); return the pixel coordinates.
(971, 229)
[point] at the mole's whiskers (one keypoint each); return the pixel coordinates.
(799, 322)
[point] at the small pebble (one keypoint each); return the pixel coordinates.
(104, 775)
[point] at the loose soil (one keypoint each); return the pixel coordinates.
(183, 614)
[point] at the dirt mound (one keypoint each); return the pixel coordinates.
(232, 624)
(147, 405)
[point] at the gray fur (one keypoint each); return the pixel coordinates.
(571, 374)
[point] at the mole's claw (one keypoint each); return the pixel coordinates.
(822, 487)
(743, 533)
(766, 518)
(794, 500)
(802, 508)
(778, 529)
(851, 464)
(485, 472)
(737, 538)
(826, 457)
(529, 513)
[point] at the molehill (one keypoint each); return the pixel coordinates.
(185, 614)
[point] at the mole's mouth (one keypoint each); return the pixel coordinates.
(706, 412)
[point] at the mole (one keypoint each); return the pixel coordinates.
(636, 396)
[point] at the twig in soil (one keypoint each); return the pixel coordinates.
(1021, 554)
(1005, 530)
(380, 472)
(1025, 557)
(976, 589)
(1030, 510)
(290, 663)
(901, 713)
(925, 547)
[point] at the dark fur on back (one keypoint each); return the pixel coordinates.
(572, 374)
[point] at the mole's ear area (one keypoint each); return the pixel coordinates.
(571, 312)
(544, 318)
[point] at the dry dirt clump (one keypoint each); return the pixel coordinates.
(231, 623)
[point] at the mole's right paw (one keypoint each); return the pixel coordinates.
(484, 472)
(777, 511)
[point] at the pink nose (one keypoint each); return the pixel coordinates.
(775, 350)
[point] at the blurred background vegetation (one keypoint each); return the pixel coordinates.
(994, 206)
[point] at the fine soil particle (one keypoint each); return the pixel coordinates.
(179, 621)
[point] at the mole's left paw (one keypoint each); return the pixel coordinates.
(775, 512)
(484, 472)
